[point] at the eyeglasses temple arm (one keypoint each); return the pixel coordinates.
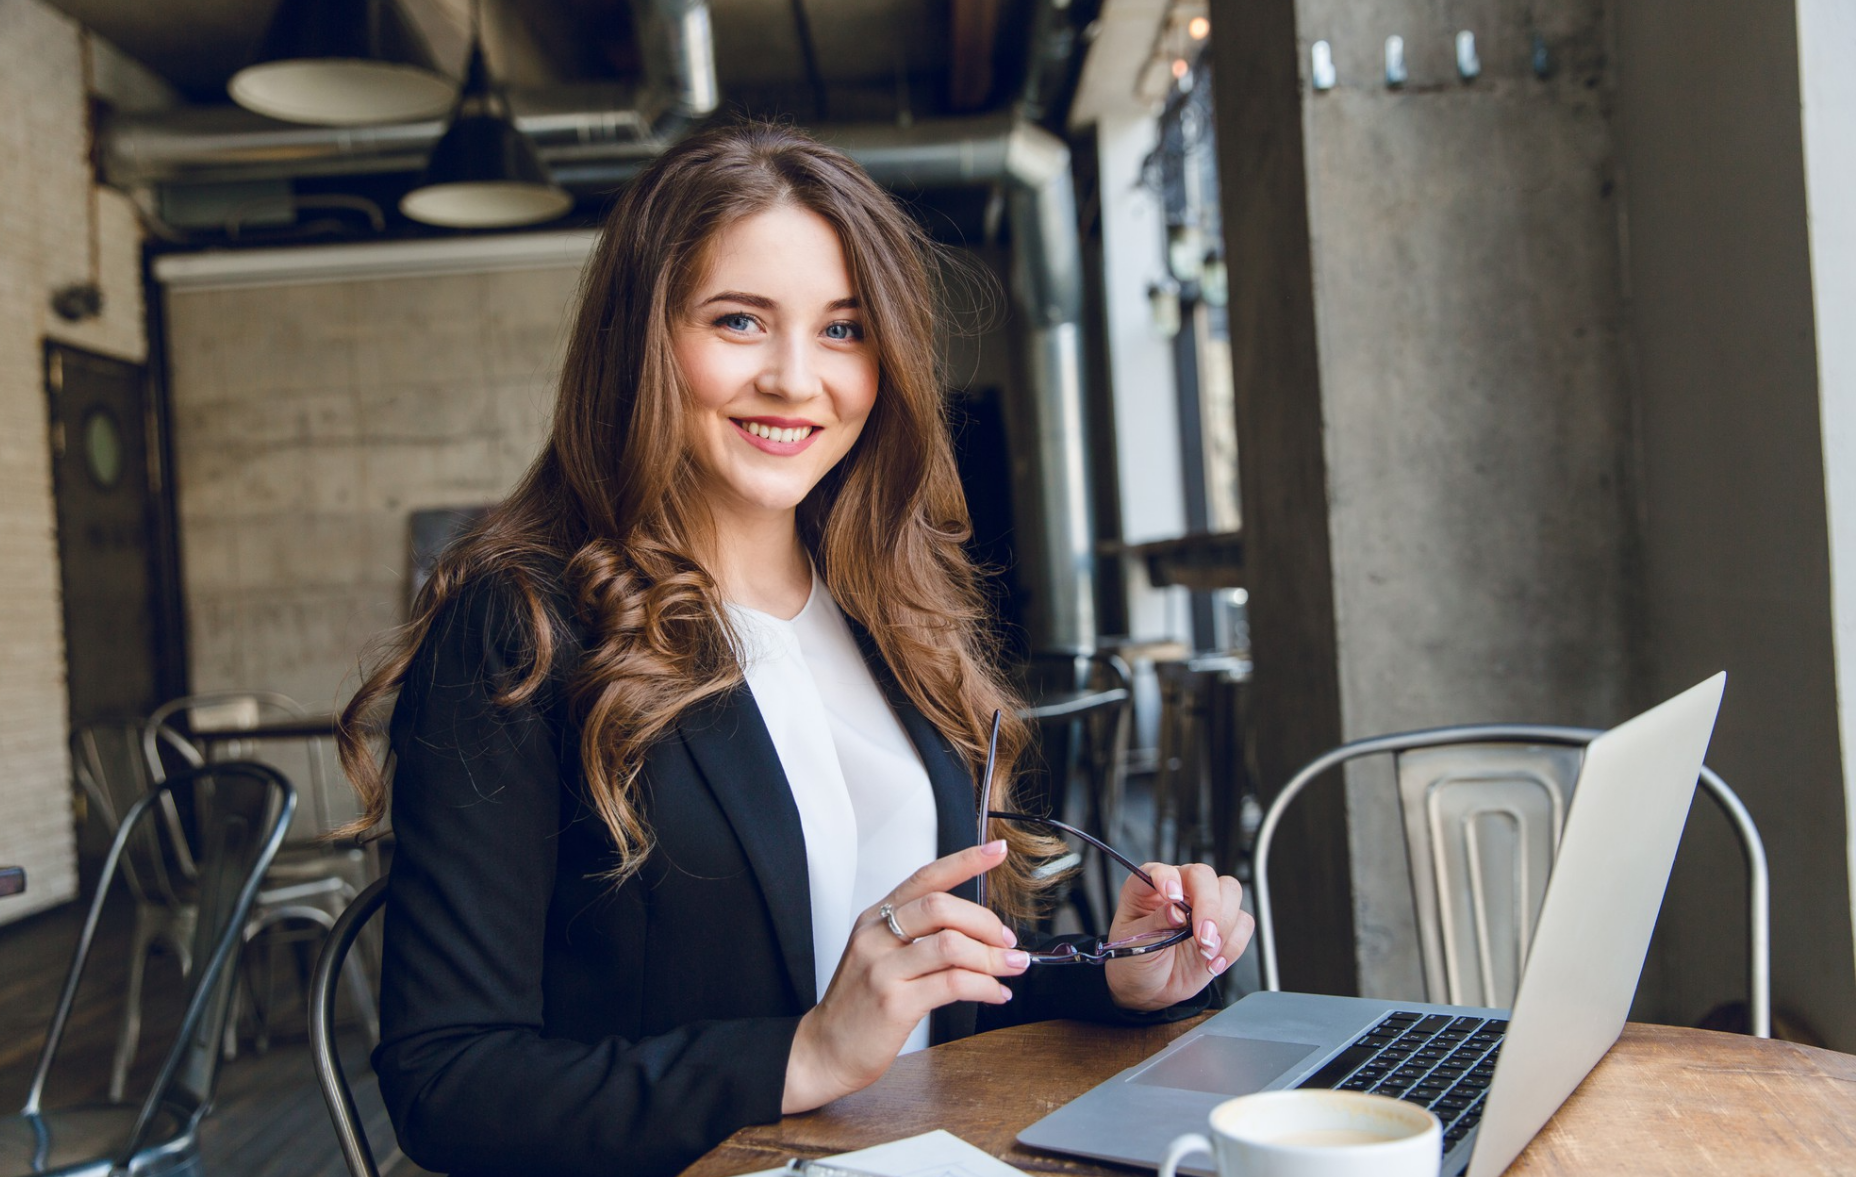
(992, 760)
(1098, 843)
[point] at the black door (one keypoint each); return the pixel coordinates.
(112, 536)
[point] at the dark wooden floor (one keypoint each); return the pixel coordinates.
(268, 1120)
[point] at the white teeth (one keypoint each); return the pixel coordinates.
(798, 433)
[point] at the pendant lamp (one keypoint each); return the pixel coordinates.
(342, 63)
(485, 173)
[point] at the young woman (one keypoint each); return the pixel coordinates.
(685, 734)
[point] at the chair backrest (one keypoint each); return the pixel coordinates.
(322, 986)
(240, 811)
(1482, 826)
(106, 759)
(1087, 689)
(1482, 809)
(196, 728)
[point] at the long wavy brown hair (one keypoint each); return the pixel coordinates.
(615, 499)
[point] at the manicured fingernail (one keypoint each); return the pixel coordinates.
(994, 848)
(1220, 965)
(1004, 993)
(1177, 915)
(1173, 891)
(1208, 932)
(1010, 937)
(1018, 960)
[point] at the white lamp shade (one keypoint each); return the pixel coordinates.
(342, 91)
(485, 204)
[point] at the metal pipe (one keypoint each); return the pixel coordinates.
(230, 145)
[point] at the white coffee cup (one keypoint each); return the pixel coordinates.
(1316, 1133)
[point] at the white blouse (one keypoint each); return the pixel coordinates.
(865, 804)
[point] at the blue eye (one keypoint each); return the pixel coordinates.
(736, 321)
(851, 331)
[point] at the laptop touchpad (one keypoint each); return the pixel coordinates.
(1226, 1066)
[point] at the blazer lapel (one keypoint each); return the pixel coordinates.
(728, 740)
(956, 803)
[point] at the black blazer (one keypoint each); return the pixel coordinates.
(535, 1018)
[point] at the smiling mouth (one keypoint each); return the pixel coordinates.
(776, 433)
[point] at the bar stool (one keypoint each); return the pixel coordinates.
(1205, 806)
(1081, 704)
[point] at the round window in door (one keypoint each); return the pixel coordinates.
(103, 448)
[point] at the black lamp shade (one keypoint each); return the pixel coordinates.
(340, 63)
(485, 174)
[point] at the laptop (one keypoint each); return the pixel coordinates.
(1493, 1077)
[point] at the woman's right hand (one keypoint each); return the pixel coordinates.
(884, 987)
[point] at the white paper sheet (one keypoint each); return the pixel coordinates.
(932, 1154)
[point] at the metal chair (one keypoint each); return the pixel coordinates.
(1483, 807)
(335, 1090)
(312, 879)
(157, 865)
(238, 814)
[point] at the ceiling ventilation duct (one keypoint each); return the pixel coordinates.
(342, 63)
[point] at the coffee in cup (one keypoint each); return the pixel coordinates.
(1315, 1133)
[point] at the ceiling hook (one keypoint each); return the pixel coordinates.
(1396, 74)
(1468, 65)
(1321, 65)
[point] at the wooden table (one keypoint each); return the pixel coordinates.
(1664, 1101)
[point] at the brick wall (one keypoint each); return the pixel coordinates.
(312, 416)
(45, 243)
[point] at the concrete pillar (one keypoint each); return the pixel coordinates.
(1432, 413)
(1283, 463)
(1546, 406)
(1742, 307)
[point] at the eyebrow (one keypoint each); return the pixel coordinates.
(762, 302)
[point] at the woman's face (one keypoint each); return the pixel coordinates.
(772, 346)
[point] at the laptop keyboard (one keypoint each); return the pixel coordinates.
(1435, 1060)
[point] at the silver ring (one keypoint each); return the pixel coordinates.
(889, 917)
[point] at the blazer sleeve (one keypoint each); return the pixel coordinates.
(470, 1081)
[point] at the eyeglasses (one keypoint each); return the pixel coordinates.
(1072, 952)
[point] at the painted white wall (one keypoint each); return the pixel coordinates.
(46, 243)
(1140, 363)
(1827, 84)
(1140, 360)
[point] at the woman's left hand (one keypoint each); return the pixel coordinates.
(1221, 930)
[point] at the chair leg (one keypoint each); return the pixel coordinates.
(229, 1040)
(263, 999)
(1165, 849)
(140, 941)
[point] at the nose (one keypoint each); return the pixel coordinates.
(789, 372)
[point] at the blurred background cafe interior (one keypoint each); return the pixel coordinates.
(1352, 367)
